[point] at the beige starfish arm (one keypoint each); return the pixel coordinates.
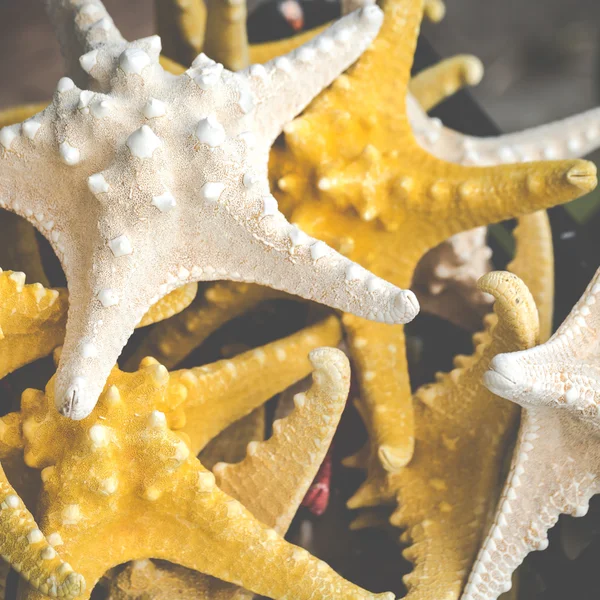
(292, 81)
(434, 84)
(82, 27)
(379, 356)
(554, 471)
(226, 40)
(435, 10)
(281, 256)
(275, 475)
(172, 304)
(534, 264)
(559, 373)
(181, 25)
(32, 321)
(175, 339)
(27, 550)
(224, 392)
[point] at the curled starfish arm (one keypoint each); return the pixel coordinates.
(227, 390)
(181, 26)
(433, 85)
(27, 550)
(32, 321)
(292, 456)
(291, 81)
(175, 339)
(226, 40)
(554, 471)
(82, 27)
(173, 303)
(445, 520)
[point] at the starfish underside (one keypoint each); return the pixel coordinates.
(443, 498)
(182, 160)
(556, 465)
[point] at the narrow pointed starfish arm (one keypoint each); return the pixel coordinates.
(27, 550)
(20, 249)
(225, 38)
(534, 264)
(32, 321)
(173, 303)
(555, 470)
(231, 444)
(446, 493)
(223, 392)
(83, 27)
(293, 76)
(372, 518)
(108, 510)
(561, 373)
(293, 455)
(181, 26)
(379, 356)
(175, 339)
(433, 85)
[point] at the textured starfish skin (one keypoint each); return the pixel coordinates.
(445, 495)
(188, 179)
(124, 484)
(32, 321)
(270, 482)
(353, 174)
(555, 466)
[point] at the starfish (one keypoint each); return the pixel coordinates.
(353, 174)
(555, 467)
(444, 496)
(127, 473)
(270, 481)
(215, 220)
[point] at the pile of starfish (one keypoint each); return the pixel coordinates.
(179, 199)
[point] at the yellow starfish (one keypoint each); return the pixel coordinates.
(270, 482)
(444, 495)
(125, 486)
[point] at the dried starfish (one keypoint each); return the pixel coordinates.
(221, 122)
(93, 497)
(555, 466)
(32, 321)
(353, 174)
(444, 496)
(272, 479)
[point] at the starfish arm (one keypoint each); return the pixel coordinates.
(226, 40)
(278, 255)
(239, 385)
(433, 85)
(174, 340)
(32, 321)
(81, 26)
(181, 25)
(534, 264)
(295, 79)
(435, 10)
(275, 475)
(568, 138)
(554, 471)
(172, 304)
(27, 550)
(378, 353)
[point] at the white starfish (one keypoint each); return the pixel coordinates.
(556, 463)
(153, 181)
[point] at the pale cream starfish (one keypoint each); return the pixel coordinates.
(162, 181)
(556, 463)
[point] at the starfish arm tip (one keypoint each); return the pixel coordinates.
(583, 175)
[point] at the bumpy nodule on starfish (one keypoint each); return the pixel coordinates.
(556, 463)
(152, 181)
